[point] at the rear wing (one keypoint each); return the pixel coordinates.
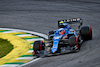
(71, 21)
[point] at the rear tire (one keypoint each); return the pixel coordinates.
(86, 32)
(38, 46)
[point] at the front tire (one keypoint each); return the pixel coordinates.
(38, 46)
(73, 41)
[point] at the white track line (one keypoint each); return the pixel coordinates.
(9, 65)
(26, 58)
(23, 35)
(30, 51)
(32, 45)
(34, 39)
(30, 62)
(9, 31)
(35, 33)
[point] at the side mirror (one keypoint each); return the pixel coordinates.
(51, 32)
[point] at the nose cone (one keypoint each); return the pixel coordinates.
(55, 43)
(54, 50)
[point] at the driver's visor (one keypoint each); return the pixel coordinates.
(61, 22)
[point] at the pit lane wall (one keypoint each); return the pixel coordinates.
(22, 42)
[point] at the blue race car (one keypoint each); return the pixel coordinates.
(64, 39)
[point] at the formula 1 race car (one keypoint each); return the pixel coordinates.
(64, 39)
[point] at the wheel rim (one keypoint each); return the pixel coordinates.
(90, 32)
(77, 39)
(41, 46)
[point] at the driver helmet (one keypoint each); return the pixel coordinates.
(63, 25)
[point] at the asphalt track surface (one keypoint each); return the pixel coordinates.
(42, 16)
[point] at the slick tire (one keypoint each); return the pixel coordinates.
(38, 46)
(73, 41)
(86, 32)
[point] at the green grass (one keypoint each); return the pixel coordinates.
(5, 47)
